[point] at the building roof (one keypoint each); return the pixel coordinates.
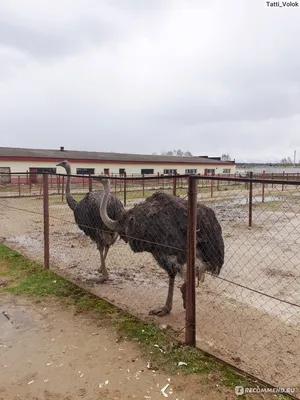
(62, 154)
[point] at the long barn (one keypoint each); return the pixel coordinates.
(36, 161)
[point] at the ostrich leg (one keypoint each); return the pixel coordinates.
(106, 252)
(166, 309)
(102, 268)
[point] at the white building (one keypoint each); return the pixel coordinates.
(34, 161)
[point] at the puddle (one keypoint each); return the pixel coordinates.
(245, 200)
(13, 320)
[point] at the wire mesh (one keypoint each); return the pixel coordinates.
(248, 315)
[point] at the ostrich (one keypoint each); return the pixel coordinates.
(87, 217)
(158, 226)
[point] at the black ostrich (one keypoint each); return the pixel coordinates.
(158, 225)
(87, 217)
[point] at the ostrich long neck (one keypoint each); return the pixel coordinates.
(112, 225)
(72, 203)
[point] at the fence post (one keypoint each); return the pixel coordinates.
(283, 183)
(90, 184)
(125, 191)
(211, 188)
(19, 185)
(250, 200)
(263, 189)
(46, 220)
(174, 185)
(190, 327)
(143, 185)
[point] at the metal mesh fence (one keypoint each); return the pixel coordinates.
(248, 315)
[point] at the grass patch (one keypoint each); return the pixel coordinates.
(28, 278)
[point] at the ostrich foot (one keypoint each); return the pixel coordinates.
(103, 278)
(160, 312)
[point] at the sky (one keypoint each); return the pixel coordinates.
(141, 76)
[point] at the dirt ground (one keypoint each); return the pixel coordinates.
(48, 353)
(258, 330)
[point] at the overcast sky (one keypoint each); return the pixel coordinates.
(145, 76)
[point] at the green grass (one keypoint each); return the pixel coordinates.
(28, 278)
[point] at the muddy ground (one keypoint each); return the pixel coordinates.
(258, 330)
(51, 353)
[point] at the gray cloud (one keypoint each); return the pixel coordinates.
(204, 76)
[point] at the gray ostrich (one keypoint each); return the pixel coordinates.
(87, 217)
(158, 226)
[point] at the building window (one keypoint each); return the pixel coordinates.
(85, 171)
(46, 170)
(145, 171)
(209, 171)
(191, 171)
(226, 171)
(122, 171)
(170, 171)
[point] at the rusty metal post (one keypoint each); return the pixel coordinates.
(125, 192)
(174, 185)
(19, 185)
(250, 200)
(46, 220)
(283, 175)
(90, 184)
(115, 186)
(211, 188)
(263, 189)
(143, 185)
(190, 326)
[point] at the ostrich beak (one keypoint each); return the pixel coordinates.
(59, 164)
(102, 178)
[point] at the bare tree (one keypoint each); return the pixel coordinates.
(225, 157)
(178, 153)
(286, 161)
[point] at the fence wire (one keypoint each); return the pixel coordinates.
(249, 315)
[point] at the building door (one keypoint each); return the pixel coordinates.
(122, 171)
(106, 171)
(210, 172)
(33, 175)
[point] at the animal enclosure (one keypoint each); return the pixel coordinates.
(248, 316)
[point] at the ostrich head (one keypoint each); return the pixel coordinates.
(65, 164)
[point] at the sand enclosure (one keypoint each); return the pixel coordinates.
(258, 330)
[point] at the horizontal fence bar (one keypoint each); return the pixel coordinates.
(164, 177)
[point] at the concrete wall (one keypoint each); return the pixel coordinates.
(23, 166)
